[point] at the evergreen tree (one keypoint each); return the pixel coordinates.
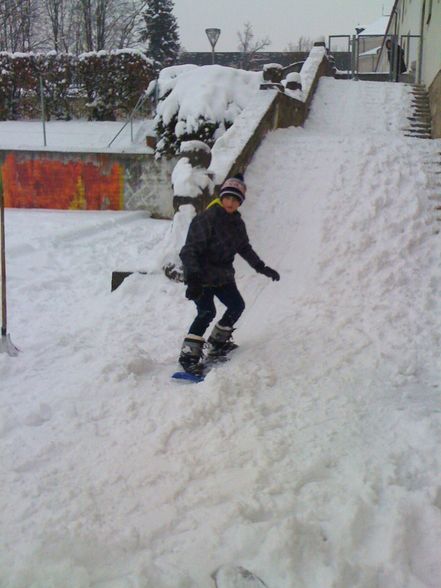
(160, 31)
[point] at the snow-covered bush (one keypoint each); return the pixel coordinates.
(18, 75)
(200, 103)
(114, 80)
(57, 71)
(192, 187)
(6, 87)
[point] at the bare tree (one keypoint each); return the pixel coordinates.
(86, 9)
(249, 46)
(71, 26)
(110, 24)
(56, 11)
(303, 44)
(17, 20)
(101, 15)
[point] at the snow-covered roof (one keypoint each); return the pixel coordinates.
(378, 27)
(373, 51)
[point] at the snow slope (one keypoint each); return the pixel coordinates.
(312, 457)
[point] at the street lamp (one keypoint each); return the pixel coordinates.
(213, 36)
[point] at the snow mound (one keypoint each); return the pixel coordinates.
(201, 102)
(312, 457)
(213, 92)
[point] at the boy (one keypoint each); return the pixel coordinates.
(214, 237)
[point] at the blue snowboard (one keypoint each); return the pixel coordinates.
(186, 377)
(207, 364)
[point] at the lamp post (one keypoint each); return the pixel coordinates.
(213, 36)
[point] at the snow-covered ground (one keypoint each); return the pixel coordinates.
(76, 135)
(312, 457)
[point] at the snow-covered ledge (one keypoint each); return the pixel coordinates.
(270, 109)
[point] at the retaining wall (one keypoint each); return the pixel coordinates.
(88, 181)
(233, 151)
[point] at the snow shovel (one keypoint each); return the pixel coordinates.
(6, 345)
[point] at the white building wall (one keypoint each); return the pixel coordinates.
(432, 45)
(408, 23)
(408, 20)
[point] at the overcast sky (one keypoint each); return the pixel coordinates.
(283, 21)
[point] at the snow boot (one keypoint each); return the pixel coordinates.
(191, 353)
(220, 342)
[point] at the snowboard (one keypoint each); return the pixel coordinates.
(189, 378)
(236, 577)
(207, 364)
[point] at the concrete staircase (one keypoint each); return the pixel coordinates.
(420, 125)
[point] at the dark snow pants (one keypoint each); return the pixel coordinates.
(228, 295)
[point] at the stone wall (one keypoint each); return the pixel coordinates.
(435, 106)
(282, 111)
(88, 181)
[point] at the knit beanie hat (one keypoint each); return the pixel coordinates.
(234, 186)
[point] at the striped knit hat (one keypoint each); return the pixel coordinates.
(234, 186)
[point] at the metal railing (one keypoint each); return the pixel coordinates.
(371, 59)
(129, 121)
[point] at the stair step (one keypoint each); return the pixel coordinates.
(416, 136)
(421, 119)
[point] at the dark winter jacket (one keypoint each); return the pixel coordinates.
(214, 237)
(400, 64)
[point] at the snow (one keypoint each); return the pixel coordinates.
(272, 66)
(222, 93)
(229, 146)
(76, 136)
(188, 180)
(309, 68)
(378, 27)
(126, 51)
(373, 51)
(312, 457)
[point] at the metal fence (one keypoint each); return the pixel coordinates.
(368, 55)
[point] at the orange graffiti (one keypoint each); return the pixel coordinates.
(49, 183)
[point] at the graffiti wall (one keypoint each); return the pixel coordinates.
(69, 185)
(87, 181)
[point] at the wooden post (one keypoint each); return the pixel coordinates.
(3, 257)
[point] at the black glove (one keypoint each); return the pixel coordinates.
(194, 287)
(268, 272)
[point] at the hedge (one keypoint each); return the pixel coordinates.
(108, 83)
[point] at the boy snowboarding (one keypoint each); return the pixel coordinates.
(214, 237)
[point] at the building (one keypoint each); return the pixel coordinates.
(370, 41)
(233, 59)
(416, 26)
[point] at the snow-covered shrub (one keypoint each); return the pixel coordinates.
(18, 75)
(200, 103)
(114, 80)
(93, 68)
(192, 187)
(57, 71)
(20, 84)
(6, 87)
(131, 74)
